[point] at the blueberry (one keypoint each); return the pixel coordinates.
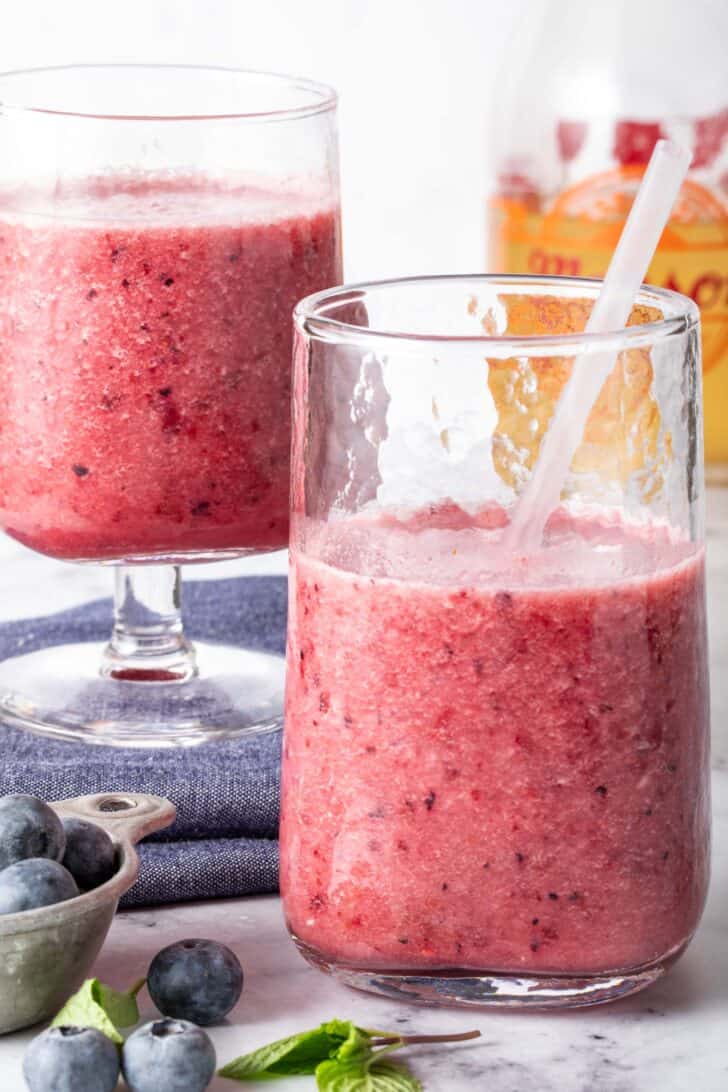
(37, 882)
(172, 1055)
(89, 856)
(197, 980)
(29, 828)
(71, 1060)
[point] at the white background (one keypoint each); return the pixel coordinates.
(415, 78)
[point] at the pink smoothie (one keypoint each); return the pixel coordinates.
(145, 370)
(488, 770)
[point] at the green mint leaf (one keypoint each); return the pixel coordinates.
(349, 1075)
(294, 1056)
(121, 1008)
(338, 1029)
(95, 1005)
(392, 1077)
(356, 1043)
(364, 1075)
(344, 1057)
(84, 1010)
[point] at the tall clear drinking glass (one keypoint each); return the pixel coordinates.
(495, 780)
(157, 226)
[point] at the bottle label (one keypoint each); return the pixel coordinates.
(577, 236)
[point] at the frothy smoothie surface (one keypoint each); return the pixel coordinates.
(146, 356)
(495, 769)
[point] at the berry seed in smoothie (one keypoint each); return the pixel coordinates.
(146, 332)
(489, 768)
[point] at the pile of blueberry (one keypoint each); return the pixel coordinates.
(192, 983)
(45, 860)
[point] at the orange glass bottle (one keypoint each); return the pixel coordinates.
(585, 93)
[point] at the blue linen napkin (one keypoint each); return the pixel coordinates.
(224, 841)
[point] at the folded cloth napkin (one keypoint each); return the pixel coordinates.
(224, 841)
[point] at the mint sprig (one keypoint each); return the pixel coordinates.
(295, 1055)
(342, 1056)
(97, 1006)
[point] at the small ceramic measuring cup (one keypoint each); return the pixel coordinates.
(46, 953)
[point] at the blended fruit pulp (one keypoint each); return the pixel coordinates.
(495, 770)
(146, 332)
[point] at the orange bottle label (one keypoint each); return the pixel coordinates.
(578, 234)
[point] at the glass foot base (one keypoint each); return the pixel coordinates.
(61, 692)
(466, 989)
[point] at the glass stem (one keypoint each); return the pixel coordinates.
(148, 643)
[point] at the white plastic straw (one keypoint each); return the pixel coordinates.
(647, 219)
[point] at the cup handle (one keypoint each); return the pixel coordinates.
(126, 816)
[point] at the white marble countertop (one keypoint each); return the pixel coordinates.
(671, 1037)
